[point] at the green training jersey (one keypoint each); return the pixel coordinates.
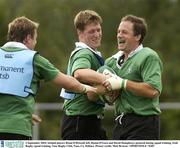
(80, 105)
(143, 66)
(16, 112)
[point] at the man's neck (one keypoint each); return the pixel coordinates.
(129, 53)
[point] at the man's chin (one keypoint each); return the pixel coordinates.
(96, 46)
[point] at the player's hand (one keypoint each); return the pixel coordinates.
(35, 119)
(115, 83)
(101, 90)
(88, 88)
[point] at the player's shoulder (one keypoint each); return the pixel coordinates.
(84, 52)
(40, 60)
(149, 51)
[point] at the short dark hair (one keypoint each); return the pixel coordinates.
(139, 25)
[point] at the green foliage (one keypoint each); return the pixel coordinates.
(56, 35)
(50, 126)
(170, 125)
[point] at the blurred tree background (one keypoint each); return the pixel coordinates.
(56, 37)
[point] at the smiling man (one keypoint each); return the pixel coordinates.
(82, 118)
(139, 69)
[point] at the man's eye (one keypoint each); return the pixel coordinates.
(92, 31)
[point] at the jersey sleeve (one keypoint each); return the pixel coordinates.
(151, 72)
(44, 70)
(82, 60)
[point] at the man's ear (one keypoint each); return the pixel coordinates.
(78, 32)
(26, 40)
(80, 35)
(138, 37)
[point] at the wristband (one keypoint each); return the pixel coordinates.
(123, 84)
